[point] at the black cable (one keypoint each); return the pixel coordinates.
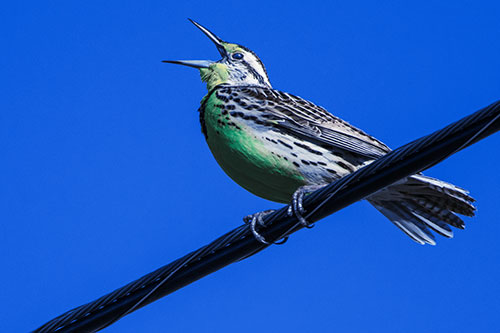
(240, 243)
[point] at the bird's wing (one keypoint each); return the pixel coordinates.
(310, 122)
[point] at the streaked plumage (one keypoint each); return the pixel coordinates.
(271, 143)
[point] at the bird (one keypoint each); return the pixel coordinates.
(282, 147)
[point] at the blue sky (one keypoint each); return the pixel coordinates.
(105, 175)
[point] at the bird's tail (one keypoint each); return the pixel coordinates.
(419, 203)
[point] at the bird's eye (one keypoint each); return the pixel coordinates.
(237, 56)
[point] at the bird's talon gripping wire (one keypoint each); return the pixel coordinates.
(296, 206)
(257, 218)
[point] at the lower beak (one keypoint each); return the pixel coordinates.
(191, 63)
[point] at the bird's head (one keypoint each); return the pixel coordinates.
(238, 66)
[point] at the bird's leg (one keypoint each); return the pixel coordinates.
(255, 219)
(296, 207)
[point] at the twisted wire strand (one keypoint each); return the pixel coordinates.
(240, 243)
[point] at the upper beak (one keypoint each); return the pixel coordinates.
(202, 63)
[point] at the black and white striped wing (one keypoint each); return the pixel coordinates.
(303, 119)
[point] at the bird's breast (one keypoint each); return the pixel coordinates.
(235, 138)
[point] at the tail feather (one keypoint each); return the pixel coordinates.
(445, 215)
(438, 226)
(419, 203)
(441, 186)
(407, 222)
(448, 195)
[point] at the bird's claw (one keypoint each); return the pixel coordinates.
(296, 206)
(257, 218)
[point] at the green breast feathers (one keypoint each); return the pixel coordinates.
(240, 149)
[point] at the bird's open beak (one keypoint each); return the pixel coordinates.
(202, 63)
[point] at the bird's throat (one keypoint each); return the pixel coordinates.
(214, 75)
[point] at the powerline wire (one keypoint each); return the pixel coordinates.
(240, 243)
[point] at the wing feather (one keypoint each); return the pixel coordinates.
(310, 122)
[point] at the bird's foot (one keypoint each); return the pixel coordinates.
(296, 208)
(257, 218)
